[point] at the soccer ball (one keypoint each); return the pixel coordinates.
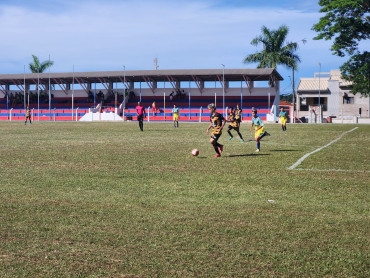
(195, 152)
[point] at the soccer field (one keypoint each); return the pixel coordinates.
(106, 200)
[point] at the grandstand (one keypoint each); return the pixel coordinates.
(73, 94)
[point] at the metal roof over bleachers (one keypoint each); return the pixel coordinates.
(144, 76)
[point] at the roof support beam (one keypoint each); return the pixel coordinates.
(273, 81)
(83, 84)
(150, 83)
(2, 89)
(20, 86)
(222, 81)
(172, 81)
(248, 82)
(124, 82)
(104, 83)
(43, 87)
(198, 82)
(61, 85)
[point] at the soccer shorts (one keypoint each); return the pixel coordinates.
(259, 133)
(175, 117)
(283, 120)
(230, 127)
(216, 136)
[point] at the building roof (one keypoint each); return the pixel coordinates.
(285, 103)
(144, 76)
(312, 84)
(321, 83)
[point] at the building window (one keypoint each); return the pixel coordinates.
(348, 100)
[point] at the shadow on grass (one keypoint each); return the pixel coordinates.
(284, 150)
(251, 154)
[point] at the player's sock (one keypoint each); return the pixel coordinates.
(220, 148)
(216, 149)
(231, 136)
(240, 135)
(177, 123)
(258, 145)
(25, 123)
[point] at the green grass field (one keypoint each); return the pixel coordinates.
(106, 200)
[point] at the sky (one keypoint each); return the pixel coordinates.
(92, 35)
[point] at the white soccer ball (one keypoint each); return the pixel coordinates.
(195, 152)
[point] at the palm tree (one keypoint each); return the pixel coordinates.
(275, 50)
(37, 67)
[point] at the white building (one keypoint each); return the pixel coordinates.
(336, 98)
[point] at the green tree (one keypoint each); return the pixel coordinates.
(348, 22)
(276, 51)
(37, 67)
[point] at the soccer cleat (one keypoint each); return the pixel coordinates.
(221, 148)
(242, 141)
(217, 155)
(258, 150)
(230, 138)
(267, 134)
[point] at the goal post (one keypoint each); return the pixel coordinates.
(316, 116)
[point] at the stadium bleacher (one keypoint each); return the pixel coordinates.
(61, 107)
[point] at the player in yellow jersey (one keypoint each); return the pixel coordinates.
(176, 113)
(283, 118)
(28, 116)
(217, 124)
(234, 124)
(259, 128)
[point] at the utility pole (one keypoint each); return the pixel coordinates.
(293, 95)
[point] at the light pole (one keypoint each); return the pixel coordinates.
(73, 88)
(293, 95)
(319, 89)
(49, 92)
(124, 81)
(24, 88)
(291, 81)
(38, 95)
(223, 87)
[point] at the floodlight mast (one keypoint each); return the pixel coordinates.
(38, 94)
(24, 88)
(73, 88)
(223, 88)
(124, 81)
(319, 92)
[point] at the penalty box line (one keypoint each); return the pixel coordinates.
(331, 170)
(299, 161)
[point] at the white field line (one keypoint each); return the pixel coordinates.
(331, 170)
(319, 149)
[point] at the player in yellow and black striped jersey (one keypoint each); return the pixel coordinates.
(234, 124)
(28, 116)
(238, 113)
(217, 124)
